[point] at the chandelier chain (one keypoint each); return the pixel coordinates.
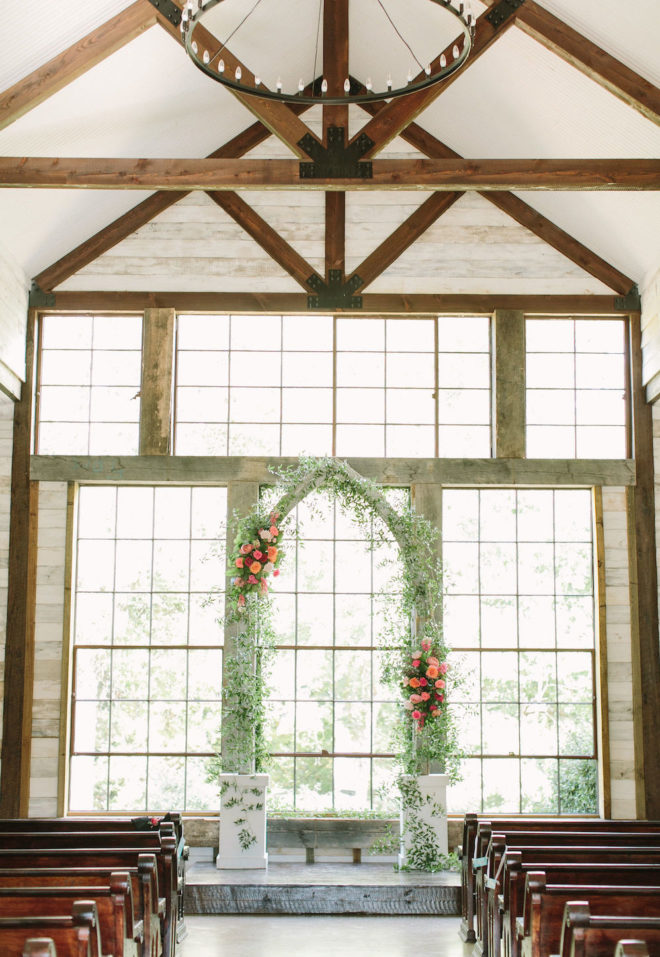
(399, 34)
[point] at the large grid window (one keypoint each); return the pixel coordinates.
(519, 614)
(330, 715)
(147, 650)
(281, 385)
(576, 388)
(88, 385)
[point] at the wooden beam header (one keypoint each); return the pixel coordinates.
(236, 174)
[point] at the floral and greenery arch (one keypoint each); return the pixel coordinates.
(414, 650)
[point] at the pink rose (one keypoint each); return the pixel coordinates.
(241, 599)
(443, 668)
(432, 661)
(423, 682)
(239, 563)
(258, 555)
(425, 696)
(416, 664)
(417, 715)
(408, 705)
(246, 549)
(276, 573)
(415, 698)
(274, 530)
(252, 580)
(239, 581)
(426, 645)
(439, 683)
(264, 586)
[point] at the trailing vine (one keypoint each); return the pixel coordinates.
(413, 620)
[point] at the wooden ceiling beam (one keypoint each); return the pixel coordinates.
(76, 60)
(283, 121)
(335, 71)
(404, 236)
(402, 111)
(372, 304)
(573, 47)
(531, 219)
(139, 216)
(263, 234)
(182, 175)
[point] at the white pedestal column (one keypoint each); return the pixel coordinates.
(242, 821)
(431, 812)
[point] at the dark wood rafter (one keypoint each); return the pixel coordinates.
(263, 234)
(335, 70)
(527, 216)
(279, 118)
(425, 174)
(19, 644)
(374, 303)
(644, 593)
(404, 236)
(400, 113)
(76, 60)
(141, 214)
(590, 59)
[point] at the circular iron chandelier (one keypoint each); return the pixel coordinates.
(212, 56)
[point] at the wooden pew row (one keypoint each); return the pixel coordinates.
(505, 907)
(73, 935)
(159, 932)
(171, 824)
(539, 930)
(162, 845)
(489, 866)
(144, 892)
(476, 835)
(586, 935)
(120, 936)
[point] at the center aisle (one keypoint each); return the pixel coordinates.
(257, 936)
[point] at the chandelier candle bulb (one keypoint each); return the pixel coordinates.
(456, 52)
(324, 86)
(443, 61)
(238, 73)
(221, 66)
(347, 85)
(301, 85)
(206, 57)
(194, 46)
(370, 85)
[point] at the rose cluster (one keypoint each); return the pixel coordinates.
(256, 560)
(424, 684)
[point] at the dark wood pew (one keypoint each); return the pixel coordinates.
(102, 861)
(539, 930)
(144, 893)
(477, 830)
(503, 911)
(488, 866)
(114, 906)
(586, 935)
(73, 935)
(39, 947)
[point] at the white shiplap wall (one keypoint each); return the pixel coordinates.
(651, 335)
(13, 323)
(6, 438)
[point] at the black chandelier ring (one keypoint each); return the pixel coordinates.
(219, 63)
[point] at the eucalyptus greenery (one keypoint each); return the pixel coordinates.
(413, 614)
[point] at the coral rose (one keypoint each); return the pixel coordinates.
(439, 683)
(274, 530)
(416, 663)
(239, 563)
(432, 661)
(246, 549)
(272, 553)
(255, 567)
(415, 698)
(417, 715)
(258, 555)
(425, 696)
(432, 672)
(414, 682)
(241, 599)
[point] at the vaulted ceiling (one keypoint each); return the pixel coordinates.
(109, 79)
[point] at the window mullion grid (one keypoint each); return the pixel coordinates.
(112, 646)
(295, 663)
(519, 722)
(91, 385)
(333, 652)
(151, 611)
(481, 697)
(436, 385)
(281, 321)
(554, 587)
(334, 385)
(187, 704)
(229, 381)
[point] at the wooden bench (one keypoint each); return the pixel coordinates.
(74, 935)
(114, 905)
(476, 835)
(110, 859)
(144, 887)
(539, 930)
(488, 866)
(315, 833)
(509, 906)
(587, 935)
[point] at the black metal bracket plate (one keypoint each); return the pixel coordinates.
(336, 161)
(38, 299)
(502, 11)
(335, 294)
(631, 302)
(169, 10)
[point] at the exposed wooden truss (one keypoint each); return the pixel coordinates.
(589, 58)
(72, 63)
(424, 174)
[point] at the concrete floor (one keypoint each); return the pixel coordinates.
(251, 936)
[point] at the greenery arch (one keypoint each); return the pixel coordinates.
(417, 605)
